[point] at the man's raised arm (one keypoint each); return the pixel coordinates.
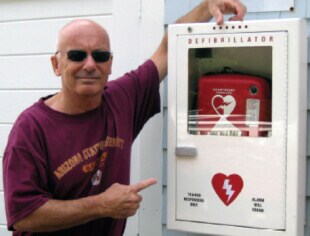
(202, 13)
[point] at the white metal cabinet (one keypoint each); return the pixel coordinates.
(226, 182)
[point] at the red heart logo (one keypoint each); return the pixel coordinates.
(223, 105)
(227, 187)
(217, 104)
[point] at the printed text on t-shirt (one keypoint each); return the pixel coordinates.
(87, 153)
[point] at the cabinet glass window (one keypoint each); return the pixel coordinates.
(230, 91)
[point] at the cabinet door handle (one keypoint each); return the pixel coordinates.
(186, 151)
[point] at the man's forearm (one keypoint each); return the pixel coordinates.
(57, 215)
(117, 202)
(200, 13)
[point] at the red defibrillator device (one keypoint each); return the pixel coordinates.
(234, 104)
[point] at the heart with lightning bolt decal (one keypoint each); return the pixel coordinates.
(227, 187)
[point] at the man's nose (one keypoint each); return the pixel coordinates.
(89, 63)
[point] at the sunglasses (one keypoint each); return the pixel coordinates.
(80, 55)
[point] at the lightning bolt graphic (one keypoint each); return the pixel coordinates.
(225, 104)
(228, 188)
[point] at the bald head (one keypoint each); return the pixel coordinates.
(82, 31)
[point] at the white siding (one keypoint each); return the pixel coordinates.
(14, 10)
(36, 36)
(4, 231)
(2, 209)
(27, 72)
(22, 99)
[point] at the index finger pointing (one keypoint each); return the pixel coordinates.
(143, 184)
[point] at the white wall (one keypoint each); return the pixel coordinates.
(28, 32)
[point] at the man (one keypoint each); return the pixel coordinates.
(66, 165)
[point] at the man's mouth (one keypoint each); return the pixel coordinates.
(88, 77)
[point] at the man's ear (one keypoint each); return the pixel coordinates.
(110, 64)
(55, 65)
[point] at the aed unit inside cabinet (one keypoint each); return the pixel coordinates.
(237, 96)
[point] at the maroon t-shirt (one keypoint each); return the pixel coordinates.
(51, 155)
